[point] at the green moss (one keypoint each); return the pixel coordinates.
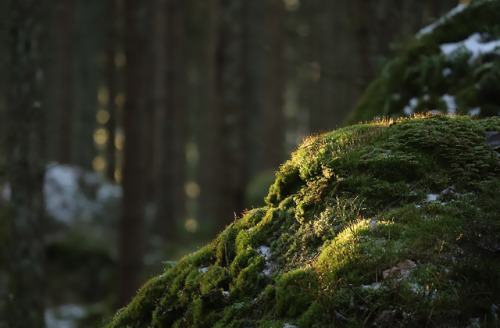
(347, 206)
(421, 71)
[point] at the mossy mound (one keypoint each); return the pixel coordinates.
(453, 67)
(419, 195)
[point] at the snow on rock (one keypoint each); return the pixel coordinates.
(65, 316)
(428, 29)
(473, 44)
(265, 252)
(72, 194)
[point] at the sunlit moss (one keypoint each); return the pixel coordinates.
(347, 206)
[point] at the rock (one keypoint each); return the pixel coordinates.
(493, 138)
(448, 191)
(402, 269)
(326, 234)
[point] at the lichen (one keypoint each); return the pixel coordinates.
(347, 206)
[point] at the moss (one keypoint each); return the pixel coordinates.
(347, 206)
(421, 71)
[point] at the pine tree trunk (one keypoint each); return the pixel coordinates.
(25, 303)
(229, 171)
(273, 114)
(131, 249)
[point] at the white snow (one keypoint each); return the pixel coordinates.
(449, 100)
(474, 111)
(473, 44)
(289, 325)
(410, 108)
(374, 286)
(428, 29)
(107, 191)
(447, 72)
(65, 316)
(68, 193)
(265, 252)
(431, 197)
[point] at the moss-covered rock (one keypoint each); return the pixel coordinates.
(346, 208)
(451, 67)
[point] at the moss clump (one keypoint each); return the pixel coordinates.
(424, 76)
(346, 208)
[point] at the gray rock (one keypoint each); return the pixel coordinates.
(493, 138)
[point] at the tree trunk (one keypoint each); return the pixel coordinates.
(273, 114)
(25, 153)
(169, 124)
(135, 153)
(229, 81)
(207, 120)
(66, 88)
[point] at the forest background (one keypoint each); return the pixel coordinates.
(190, 106)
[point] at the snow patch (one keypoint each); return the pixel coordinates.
(451, 105)
(73, 194)
(374, 286)
(447, 72)
(431, 197)
(265, 252)
(65, 316)
(474, 111)
(473, 44)
(410, 108)
(428, 29)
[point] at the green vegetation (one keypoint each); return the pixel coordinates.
(424, 78)
(348, 206)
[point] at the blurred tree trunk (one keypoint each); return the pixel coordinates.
(90, 39)
(111, 82)
(207, 120)
(137, 90)
(255, 52)
(204, 24)
(66, 72)
(25, 304)
(169, 119)
(229, 79)
(273, 113)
